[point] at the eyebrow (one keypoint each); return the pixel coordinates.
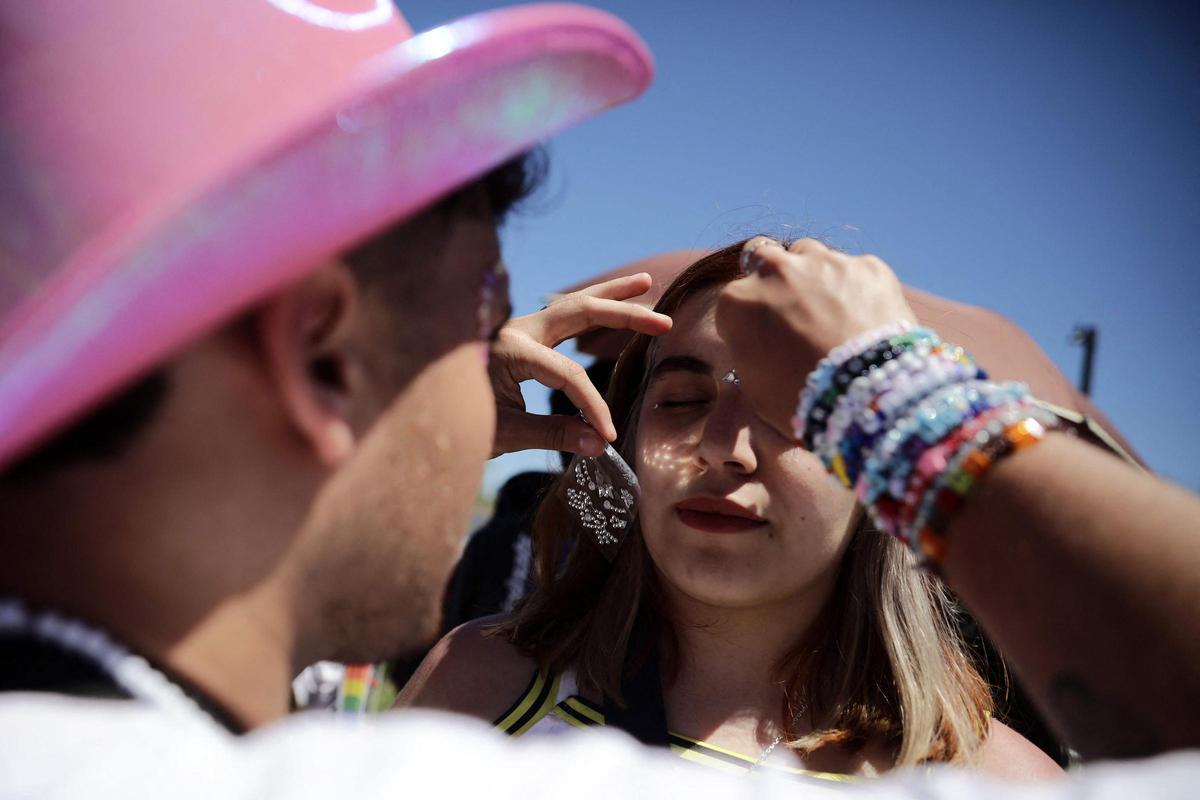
(680, 364)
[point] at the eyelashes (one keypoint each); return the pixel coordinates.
(679, 405)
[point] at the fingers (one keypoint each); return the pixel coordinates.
(808, 247)
(520, 430)
(750, 259)
(622, 288)
(765, 256)
(577, 313)
(556, 371)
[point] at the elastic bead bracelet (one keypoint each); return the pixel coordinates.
(911, 425)
(845, 447)
(819, 379)
(936, 417)
(897, 506)
(947, 496)
(978, 438)
(919, 341)
(917, 377)
(877, 463)
(936, 460)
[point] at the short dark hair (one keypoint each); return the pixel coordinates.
(506, 187)
(109, 430)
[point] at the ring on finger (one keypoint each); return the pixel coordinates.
(748, 261)
(805, 244)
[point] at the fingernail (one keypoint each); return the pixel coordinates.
(590, 444)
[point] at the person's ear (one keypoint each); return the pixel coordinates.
(305, 335)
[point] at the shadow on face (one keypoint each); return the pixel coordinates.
(733, 515)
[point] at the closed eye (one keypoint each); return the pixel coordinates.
(682, 403)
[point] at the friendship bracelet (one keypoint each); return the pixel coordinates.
(934, 419)
(833, 380)
(819, 379)
(968, 458)
(929, 533)
(936, 460)
(865, 436)
(884, 482)
(911, 424)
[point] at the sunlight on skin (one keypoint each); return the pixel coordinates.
(667, 458)
(699, 438)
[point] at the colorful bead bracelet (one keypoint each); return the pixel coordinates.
(911, 424)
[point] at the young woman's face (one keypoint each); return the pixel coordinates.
(733, 514)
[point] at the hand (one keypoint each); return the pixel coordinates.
(524, 350)
(792, 309)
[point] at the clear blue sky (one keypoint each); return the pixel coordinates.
(1038, 158)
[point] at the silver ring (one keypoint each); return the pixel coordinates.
(748, 252)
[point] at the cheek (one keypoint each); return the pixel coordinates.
(810, 499)
(449, 425)
(418, 472)
(664, 462)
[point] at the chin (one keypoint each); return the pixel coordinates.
(725, 588)
(732, 598)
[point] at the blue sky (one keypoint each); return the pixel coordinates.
(1041, 159)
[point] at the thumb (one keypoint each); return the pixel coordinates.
(520, 430)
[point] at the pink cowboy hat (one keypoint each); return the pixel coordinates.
(998, 343)
(165, 165)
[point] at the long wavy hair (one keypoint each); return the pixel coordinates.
(882, 663)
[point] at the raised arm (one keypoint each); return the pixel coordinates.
(1085, 571)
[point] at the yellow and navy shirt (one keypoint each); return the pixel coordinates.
(551, 704)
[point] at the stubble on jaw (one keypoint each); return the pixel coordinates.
(395, 519)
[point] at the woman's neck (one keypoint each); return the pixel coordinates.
(728, 658)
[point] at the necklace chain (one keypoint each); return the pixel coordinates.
(131, 672)
(766, 752)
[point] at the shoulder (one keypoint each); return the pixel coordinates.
(470, 672)
(1008, 754)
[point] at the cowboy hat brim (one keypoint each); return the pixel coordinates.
(430, 115)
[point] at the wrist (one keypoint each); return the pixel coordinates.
(911, 425)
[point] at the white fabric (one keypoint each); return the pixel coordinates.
(56, 747)
(316, 687)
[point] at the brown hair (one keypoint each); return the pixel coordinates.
(883, 663)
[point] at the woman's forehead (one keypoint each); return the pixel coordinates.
(694, 328)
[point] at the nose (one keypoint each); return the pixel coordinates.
(726, 442)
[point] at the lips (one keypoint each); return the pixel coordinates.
(717, 515)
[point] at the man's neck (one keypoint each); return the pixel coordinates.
(192, 583)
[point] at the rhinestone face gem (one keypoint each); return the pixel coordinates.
(603, 498)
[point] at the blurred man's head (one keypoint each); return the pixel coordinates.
(352, 410)
(291, 480)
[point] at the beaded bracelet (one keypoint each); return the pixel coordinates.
(833, 383)
(898, 424)
(858, 417)
(819, 379)
(911, 424)
(884, 482)
(936, 460)
(933, 419)
(928, 532)
(866, 436)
